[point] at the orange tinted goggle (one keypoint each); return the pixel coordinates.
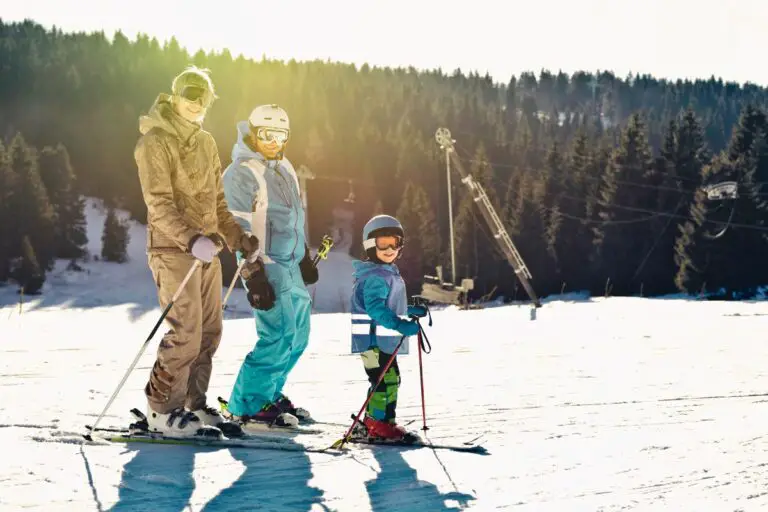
(383, 246)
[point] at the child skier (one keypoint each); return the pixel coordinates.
(379, 306)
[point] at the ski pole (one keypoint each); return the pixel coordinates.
(423, 340)
(232, 284)
(144, 346)
(338, 444)
(322, 252)
(421, 378)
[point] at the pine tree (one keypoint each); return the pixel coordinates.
(628, 241)
(429, 232)
(422, 249)
(555, 187)
(8, 188)
(411, 263)
(529, 229)
(59, 179)
(114, 238)
(680, 167)
(691, 247)
(465, 240)
(29, 275)
(574, 244)
(32, 211)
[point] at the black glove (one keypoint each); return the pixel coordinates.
(261, 295)
(249, 245)
(308, 271)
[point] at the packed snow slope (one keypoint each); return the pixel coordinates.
(609, 404)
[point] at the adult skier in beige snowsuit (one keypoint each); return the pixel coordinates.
(187, 219)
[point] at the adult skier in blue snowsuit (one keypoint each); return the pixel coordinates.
(262, 191)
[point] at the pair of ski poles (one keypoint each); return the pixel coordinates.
(423, 343)
(322, 253)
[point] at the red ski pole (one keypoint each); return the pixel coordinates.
(421, 378)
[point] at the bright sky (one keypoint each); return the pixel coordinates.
(667, 38)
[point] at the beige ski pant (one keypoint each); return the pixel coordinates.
(182, 370)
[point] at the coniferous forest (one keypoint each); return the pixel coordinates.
(599, 179)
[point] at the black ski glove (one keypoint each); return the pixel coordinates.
(308, 271)
(261, 295)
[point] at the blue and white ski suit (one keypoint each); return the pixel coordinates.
(379, 308)
(264, 197)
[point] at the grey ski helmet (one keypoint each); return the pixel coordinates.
(380, 225)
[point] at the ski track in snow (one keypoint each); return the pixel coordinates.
(601, 405)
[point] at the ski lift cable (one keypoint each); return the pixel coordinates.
(656, 242)
(668, 214)
(653, 215)
(621, 182)
(713, 193)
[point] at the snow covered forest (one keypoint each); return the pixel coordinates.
(598, 178)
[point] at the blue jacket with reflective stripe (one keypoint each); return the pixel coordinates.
(264, 197)
(379, 306)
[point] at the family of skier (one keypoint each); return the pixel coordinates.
(254, 208)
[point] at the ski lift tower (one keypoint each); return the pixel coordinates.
(436, 288)
(443, 137)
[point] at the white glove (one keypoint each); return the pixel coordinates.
(203, 248)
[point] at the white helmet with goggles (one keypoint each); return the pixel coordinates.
(270, 123)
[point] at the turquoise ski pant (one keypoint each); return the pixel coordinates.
(283, 336)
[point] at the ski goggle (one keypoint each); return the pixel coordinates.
(196, 94)
(385, 242)
(272, 135)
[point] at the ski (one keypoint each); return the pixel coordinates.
(275, 443)
(360, 437)
(420, 443)
(268, 434)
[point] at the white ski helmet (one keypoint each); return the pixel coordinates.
(269, 116)
(380, 225)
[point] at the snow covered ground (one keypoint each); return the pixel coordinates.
(617, 404)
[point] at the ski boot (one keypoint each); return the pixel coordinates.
(270, 416)
(284, 404)
(384, 431)
(211, 417)
(177, 423)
